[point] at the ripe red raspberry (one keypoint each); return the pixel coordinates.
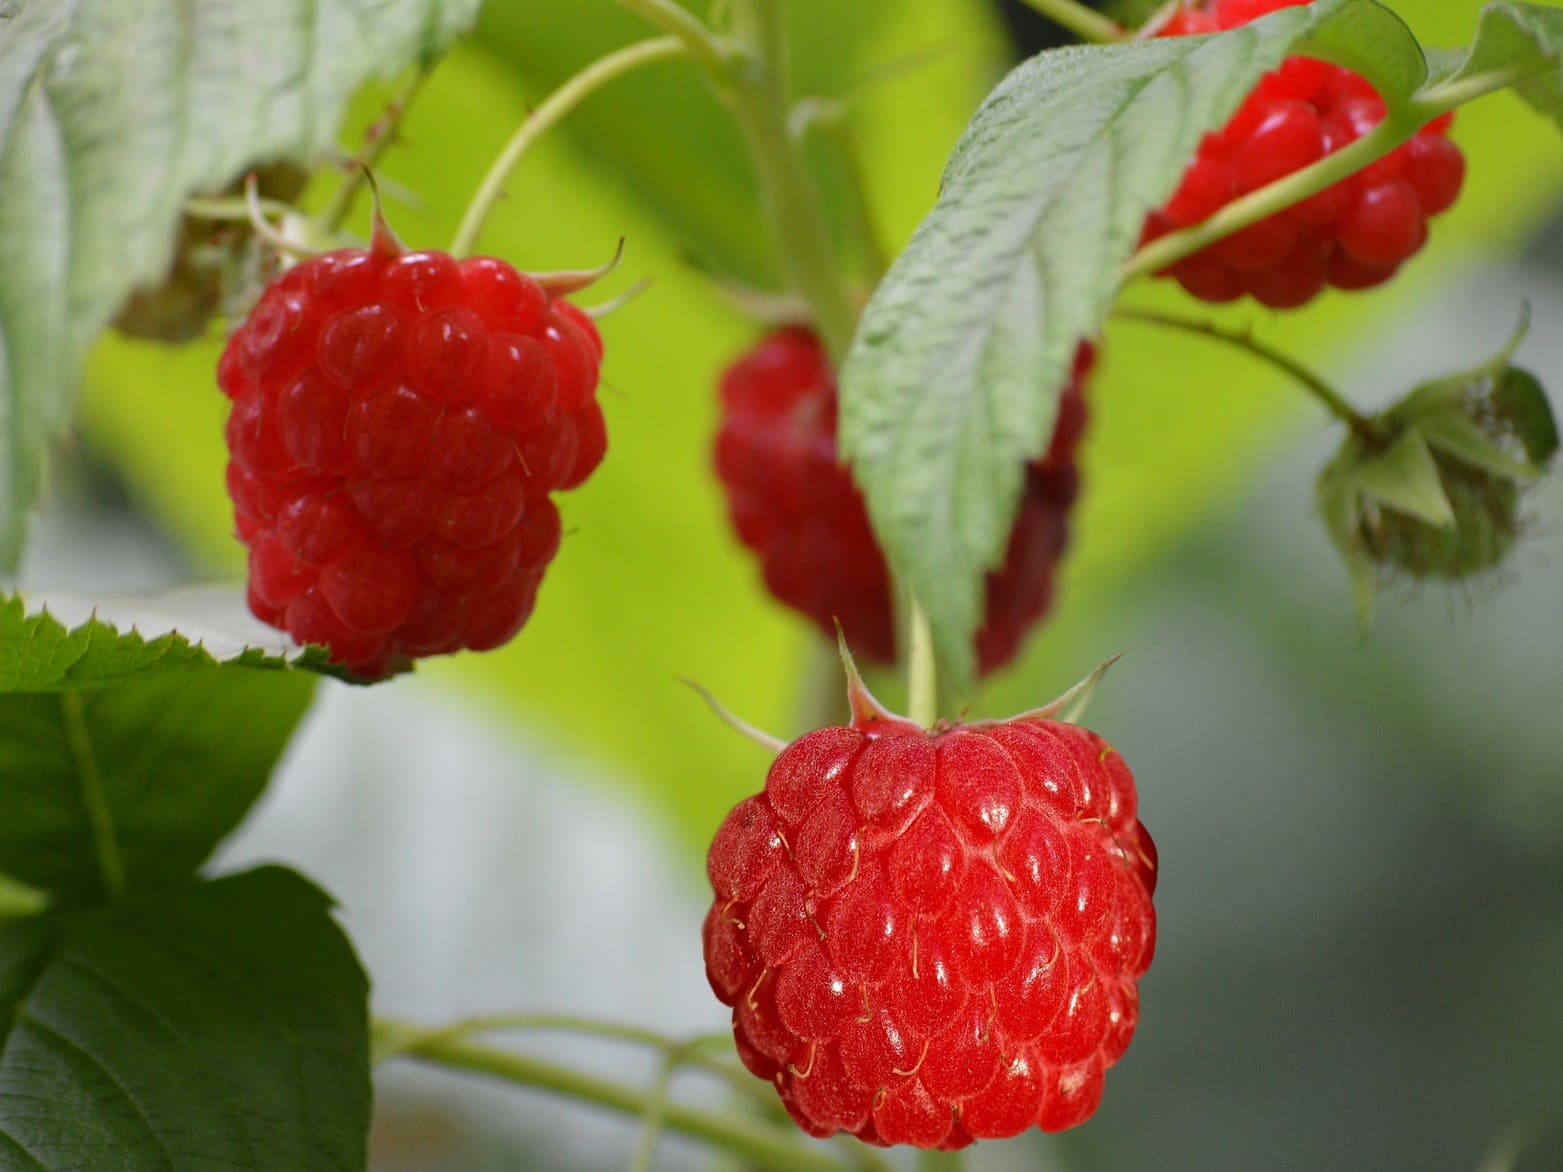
(934, 937)
(798, 508)
(399, 420)
(1352, 235)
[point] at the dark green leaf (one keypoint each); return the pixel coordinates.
(201, 1027)
(1524, 37)
(952, 383)
(1521, 398)
(127, 784)
(112, 112)
(116, 641)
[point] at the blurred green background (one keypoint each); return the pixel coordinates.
(1363, 845)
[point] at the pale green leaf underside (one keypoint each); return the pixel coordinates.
(111, 113)
(1528, 37)
(216, 1025)
(953, 380)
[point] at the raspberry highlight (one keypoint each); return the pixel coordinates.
(399, 422)
(796, 506)
(1353, 235)
(929, 938)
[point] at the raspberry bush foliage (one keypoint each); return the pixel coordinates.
(930, 929)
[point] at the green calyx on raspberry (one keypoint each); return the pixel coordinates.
(933, 936)
(1436, 492)
(400, 422)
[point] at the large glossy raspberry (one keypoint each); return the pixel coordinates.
(796, 506)
(931, 938)
(399, 422)
(1353, 235)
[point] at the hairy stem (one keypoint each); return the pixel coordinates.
(376, 142)
(761, 1145)
(559, 103)
(1333, 400)
(1085, 23)
(94, 801)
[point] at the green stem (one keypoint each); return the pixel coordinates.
(922, 670)
(376, 142)
(764, 1146)
(758, 93)
(1085, 23)
(395, 1038)
(1333, 400)
(704, 46)
(559, 103)
(1440, 99)
(79, 741)
(1283, 193)
(1399, 126)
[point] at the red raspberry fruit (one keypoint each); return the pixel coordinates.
(399, 420)
(929, 938)
(1352, 235)
(796, 506)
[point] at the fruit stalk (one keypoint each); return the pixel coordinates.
(922, 668)
(549, 112)
(762, 1146)
(1333, 400)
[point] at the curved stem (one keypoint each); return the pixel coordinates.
(1399, 126)
(1085, 23)
(1283, 193)
(922, 669)
(763, 1146)
(553, 108)
(759, 98)
(1333, 400)
(703, 45)
(396, 1038)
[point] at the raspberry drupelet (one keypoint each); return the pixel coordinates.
(399, 423)
(1352, 235)
(796, 506)
(933, 937)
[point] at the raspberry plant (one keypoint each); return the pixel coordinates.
(930, 930)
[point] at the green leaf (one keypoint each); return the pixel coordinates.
(1404, 477)
(1522, 400)
(953, 380)
(202, 1026)
(104, 787)
(120, 640)
(112, 112)
(1525, 37)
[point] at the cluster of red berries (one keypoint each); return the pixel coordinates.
(1354, 234)
(931, 938)
(399, 420)
(796, 506)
